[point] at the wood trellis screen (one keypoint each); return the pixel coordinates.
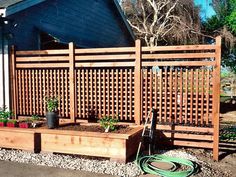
(181, 82)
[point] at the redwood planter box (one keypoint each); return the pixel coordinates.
(11, 124)
(117, 147)
(24, 125)
(19, 139)
(2, 124)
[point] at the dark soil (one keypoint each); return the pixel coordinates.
(94, 128)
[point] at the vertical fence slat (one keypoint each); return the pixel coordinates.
(63, 92)
(27, 91)
(137, 83)
(216, 99)
(108, 91)
(207, 96)
(91, 94)
(176, 94)
(96, 92)
(23, 91)
(130, 94)
(171, 94)
(197, 96)
(14, 82)
(165, 91)
(117, 91)
(113, 93)
(121, 94)
(146, 92)
(72, 81)
(191, 95)
(36, 93)
(151, 89)
(104, 93)
(186, 96)
(79, 92)
(59, 90)
(87, 93)
(156, 87)
(202, 97)
(181, 96)
(44, 91)
(100, 93)
(126, 94)
(160, 91)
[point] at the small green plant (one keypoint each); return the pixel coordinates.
(108, 123)
(52, 104)
(35, 117)
(4, 114)
(3, 120)
(12, 121)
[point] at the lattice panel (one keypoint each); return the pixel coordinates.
(35, 84)
(105, 92)
(182, 96)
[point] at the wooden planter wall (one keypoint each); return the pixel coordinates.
(181, 82)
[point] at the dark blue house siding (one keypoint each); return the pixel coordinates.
(88, 23)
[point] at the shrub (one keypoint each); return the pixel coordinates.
(52, 104)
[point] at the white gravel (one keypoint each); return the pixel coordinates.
(91, 165)
(71, 162)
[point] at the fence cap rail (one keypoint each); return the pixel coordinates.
(179, 48)
(43, 52)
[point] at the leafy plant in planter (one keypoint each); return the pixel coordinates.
(4, 116)
(11, 123)
(36, 121)
(108, 123)
(25, 123)
(3, 122)
(52, 114)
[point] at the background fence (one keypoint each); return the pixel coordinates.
(181, 82)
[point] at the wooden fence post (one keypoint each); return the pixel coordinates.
(13, 81)
(137, 83)
(72, 80)
(216, 99)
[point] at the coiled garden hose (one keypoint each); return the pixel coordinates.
(144, 164)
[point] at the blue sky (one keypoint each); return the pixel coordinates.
(206, 10)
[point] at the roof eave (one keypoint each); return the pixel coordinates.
(21, 6)
(124, 19)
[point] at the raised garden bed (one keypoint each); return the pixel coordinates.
(118, 146)
(16, 138)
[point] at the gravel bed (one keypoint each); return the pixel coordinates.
(98, 166)
(71, 162)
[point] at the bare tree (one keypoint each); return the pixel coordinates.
(163, 21)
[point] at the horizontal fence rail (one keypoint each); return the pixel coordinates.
(181, 82)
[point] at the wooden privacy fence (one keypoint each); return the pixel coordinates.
(181, 82)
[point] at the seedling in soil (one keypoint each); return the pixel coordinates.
(108, 123)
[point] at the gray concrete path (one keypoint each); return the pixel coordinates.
(13, 169)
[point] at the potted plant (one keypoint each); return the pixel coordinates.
(25, 123)
(4, 116)
(36, 121)
(11, 123)
(3, 122)
(52, 114)
(108, 123)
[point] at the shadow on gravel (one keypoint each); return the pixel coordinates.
(227, 107)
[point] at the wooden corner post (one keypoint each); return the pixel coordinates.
(13, 81)
(216, 99)
(72, 80)
(137, 83)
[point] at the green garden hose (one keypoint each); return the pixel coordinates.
(144, 164)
